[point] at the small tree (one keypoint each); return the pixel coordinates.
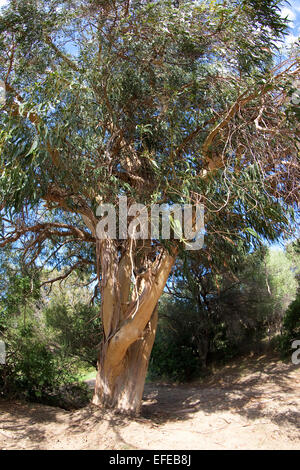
(174, 102)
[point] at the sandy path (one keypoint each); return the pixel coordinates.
(252, 405)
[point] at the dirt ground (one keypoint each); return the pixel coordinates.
(254, 404)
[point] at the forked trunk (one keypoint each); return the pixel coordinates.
(122, 388)
(129, 317)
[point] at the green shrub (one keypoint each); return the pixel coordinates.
(173, 357)
(75, 329)
(290, 327)
(35, 372)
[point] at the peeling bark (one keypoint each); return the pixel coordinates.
(121, 387)
(129, 324)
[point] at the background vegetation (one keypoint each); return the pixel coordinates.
(165, 102)
(52, 334)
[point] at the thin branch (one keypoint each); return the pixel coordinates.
(60, 54)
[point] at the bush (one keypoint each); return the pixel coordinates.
(35, 372)
(190, 337)
(290, 327)
(173, 357)
(175, 354)
(47, 337)
(75, 330)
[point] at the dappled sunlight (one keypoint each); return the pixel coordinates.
(250, 405)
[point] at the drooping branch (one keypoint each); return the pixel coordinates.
(33, 117)
(216, 161)
(63, 276)
(47, 229)
(61, 55)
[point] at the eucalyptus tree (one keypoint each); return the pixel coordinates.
(164, 102)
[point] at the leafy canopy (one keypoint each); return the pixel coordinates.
(162, 101)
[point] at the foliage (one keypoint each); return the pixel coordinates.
(173, 102)
(75, 330)
(291, 327)
(215, 315)
(174, 355)
(42, 361)
(256, 298)
(291, 321)
(35, 372)
(161, 101)
(19, 285)
(71, 317)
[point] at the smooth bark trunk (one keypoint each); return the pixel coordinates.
(121, 388)
(129, 318)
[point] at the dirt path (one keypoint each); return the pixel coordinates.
(252, 405)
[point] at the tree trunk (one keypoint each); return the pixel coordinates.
(129, 318)
(122, 388)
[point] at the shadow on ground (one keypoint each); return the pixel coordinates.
(247, 388)
(256, 387)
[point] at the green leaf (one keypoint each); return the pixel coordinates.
(33, 147)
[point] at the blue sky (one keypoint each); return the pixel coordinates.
(290, 9)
